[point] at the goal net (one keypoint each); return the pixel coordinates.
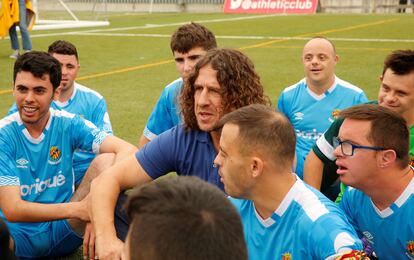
(61, 14)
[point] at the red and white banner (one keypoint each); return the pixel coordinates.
(271, 6)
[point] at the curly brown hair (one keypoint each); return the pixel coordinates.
(239, 82)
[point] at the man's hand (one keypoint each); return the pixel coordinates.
(89, 242)
(110, 249)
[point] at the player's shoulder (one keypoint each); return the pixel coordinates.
(85, 91)
(241, 205)
(173, 88)
(296, 86)
(312, 203)
(348, 86)
(354, 196)
(9, 120)
(60, 113)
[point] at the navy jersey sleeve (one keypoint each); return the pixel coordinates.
(157, 157)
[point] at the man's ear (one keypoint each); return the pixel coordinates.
(387, 157)
(256, 167)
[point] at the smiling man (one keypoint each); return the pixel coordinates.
(312, 104)
(189, 43)
(77, 99)
(222, 81)
(372, 157)
(45, 215)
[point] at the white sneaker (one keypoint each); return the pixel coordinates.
(15, 54)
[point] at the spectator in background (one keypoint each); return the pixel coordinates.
(311, 105)
(183, 217)
(26, 18)
(189, 44)
(402, 2)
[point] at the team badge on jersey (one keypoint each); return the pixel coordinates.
(410, 249)
(335, 113)
(54, 153)
(287, 256)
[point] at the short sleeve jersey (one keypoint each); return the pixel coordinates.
(42, 167)
(389, 232)
(166, 112)
(306, 225)
(312, 114)
(185, 152)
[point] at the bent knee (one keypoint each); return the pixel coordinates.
(102, 162)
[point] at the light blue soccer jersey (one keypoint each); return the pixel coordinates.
(389, 232)
(42, 167)
(90, 105)
(166, 112)
(312, 114)
(306, 225)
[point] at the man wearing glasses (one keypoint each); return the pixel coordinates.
(372, 158)
(396, 92)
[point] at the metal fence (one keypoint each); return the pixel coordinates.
(325, 6)
(360, 6)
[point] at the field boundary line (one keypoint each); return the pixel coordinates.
(252, 37)
(125, 70)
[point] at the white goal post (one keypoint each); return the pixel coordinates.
(41, 23)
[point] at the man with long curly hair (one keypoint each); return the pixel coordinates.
(221, 82)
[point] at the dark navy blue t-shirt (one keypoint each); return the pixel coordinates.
(185, 152)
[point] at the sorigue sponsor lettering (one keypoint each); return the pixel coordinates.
(277, 6)
(314, 135)
(40, 186)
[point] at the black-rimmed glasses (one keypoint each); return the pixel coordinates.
(348, 148)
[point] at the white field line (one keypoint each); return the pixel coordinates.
(245, 37)
(152, 26)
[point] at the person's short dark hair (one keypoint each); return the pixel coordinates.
(264, 131)
(39, 64)
(5, 252)
(388, 129)
(401, 62)
(239, 83)
(190, 36)
(183, 218)
(63, 47)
